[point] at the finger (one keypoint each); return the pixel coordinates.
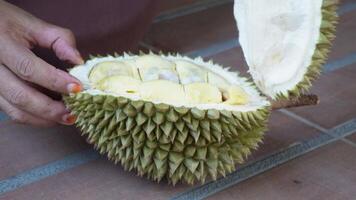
(60, 40)
(21, 116)
(29, 67)
(25, 98)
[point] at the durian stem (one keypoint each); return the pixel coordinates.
(303, 100)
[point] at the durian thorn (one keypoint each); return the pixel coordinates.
(302, 100)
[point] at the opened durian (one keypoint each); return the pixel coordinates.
(183, 119)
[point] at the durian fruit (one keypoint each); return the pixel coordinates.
(181, 125)
(184, 119)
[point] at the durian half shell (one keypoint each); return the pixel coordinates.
(285, 42)
(187, 120)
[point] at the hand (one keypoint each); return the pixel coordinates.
(20, 69)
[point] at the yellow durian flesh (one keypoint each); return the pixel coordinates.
(153, 67)
(190, 73)
(203, 93)
(235, 95)
(162, 91)
(154, 78)
(119, 84)
(112, 68)
(219, 81)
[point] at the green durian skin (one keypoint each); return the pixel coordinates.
(161, 141)
(327, 35)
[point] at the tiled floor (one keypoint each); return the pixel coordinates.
(283, 132)
(326, 173)
(98, 179)
(23, 148)
(337, 91)
(194, 31)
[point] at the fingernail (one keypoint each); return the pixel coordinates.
(74, 88)
(69, 119)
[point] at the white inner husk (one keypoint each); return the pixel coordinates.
(256, 101)
(278, 38)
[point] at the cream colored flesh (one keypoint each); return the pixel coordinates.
(178, 81)
(278, 38)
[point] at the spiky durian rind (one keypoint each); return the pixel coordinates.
(163, 141)
(322, 49)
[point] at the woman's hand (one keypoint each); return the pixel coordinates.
(20, 68)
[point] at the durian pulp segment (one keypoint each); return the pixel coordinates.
(153, 67)
(190, 73)
(203, 93)
(285, 42)
(119, 84)
(112, 68)
(161, 90)
(167, 81)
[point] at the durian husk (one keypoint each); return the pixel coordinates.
(322, 49)
(162, 141)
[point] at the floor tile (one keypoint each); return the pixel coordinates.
(193, 31)
(344, 42)
(337, 92)
(326, 173)
(98, 179)
(23, 147)
(283, 132)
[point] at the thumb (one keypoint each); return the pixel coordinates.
(61, 41)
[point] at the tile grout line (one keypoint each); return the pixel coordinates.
(340, 63)
(348, 7)
(349, 142)
(190, 9)
(215, 48)
(44, 171)
(312, 124)
(269, 162)
(303, 120)
(200, 6)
